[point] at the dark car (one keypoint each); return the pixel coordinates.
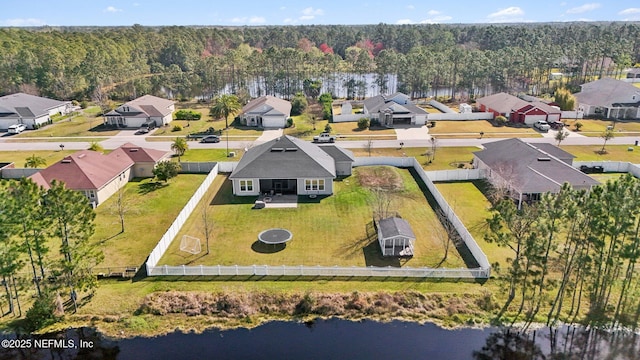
(210, 139)
(556, 125)
(142, 130)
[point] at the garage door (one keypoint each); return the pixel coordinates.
(530, 119)
(553, 117)
(401, 120)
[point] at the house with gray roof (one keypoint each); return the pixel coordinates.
(394, 109)
(526, 171)
(30, 110)
(610, 99)
(266, 111)
(146, 109)
(286, 165)
(395, 236)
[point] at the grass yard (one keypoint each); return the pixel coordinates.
(614, 153)
(334, 230)
(150, 211)
(88, 123)
(457, 129)
(472, 207)
(447, 158)
(351, 128)
(209, 155)
(303, 129)
(606, 177)
(592, 127)
(20, 157)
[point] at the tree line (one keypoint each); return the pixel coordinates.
(45, 233)
(448, 60)
(574, 255)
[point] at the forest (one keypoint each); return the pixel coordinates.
(462, 61)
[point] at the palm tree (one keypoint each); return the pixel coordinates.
(35, 161)
(223, 106)
(179, 147)
(95, 146)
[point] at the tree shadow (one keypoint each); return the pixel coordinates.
(146, 188)
(373, 256)
(262, 248)
(102, 127)
(354, 248)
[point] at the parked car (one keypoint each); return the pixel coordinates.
(142, 130)
(542, 125)
(210, 139)
(556, 125)
(148, 125)
(324, 138)
(16, 128)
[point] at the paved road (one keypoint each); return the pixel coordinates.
(116, 141)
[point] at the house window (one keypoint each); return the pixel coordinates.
(314, 184)
(246, 185)
(92, 194)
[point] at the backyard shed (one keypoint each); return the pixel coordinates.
(396, 237)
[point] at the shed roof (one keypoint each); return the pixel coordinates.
(394, 226)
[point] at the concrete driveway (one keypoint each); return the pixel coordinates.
(269, 134)
(409, 132)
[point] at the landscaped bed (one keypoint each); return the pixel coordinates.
(334, 230)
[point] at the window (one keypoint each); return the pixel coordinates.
(314, 184)
(246, 185)
(92, 194)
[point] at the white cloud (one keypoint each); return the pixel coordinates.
(583, 8)
(257, 20)
(510, 11)
(136, 4)
(287, 21)
(312, 12)
(630, 11)
(307, 14)
(404, 22)
(436, 20)
(22, 22)
(433, 12)
(112, 9)
(248, 20)
(410, 7)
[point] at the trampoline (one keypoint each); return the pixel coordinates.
(275, 236)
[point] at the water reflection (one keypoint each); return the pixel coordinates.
(334, 338)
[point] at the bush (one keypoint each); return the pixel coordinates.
(363, 123)
(176, 128)
(41, 313)
(327, 128)
(501, 120)
(289, 122)
(188, 115)
(84, 104)
(298, 104)
(578, 126)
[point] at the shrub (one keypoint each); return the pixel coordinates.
(41, 313)
(327, 128)
(188, 115)
(298, 104)
(578, 126)
(176, 128)
(289, 122)
(84, 104)
(363, 123)
(501, 120)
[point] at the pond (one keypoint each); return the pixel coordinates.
(335, 339)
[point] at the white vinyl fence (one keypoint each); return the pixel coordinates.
(456, 175)
(173, 230)
(227, 166)
(330, 271)
(442, 107)
(18, 173)
(461, 117)
(607, 166)
(348, 117)
(197, 167)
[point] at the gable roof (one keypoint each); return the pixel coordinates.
(506, 103)
(380, 103)
(530, 169)
(338, 153)
(268, 105)
(26, 105)
(144, 106)
(140, 154)
(84, 170)
(394, 226)
(285, 158)
(607, 92)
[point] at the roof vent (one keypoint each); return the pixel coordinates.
(544, 159)
(81, 156)
(133, 150)
(277, 149)
(66, 161)
(291, 149)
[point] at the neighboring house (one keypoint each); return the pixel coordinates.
(393, 110)
(633, 75)
(145, 109)
(267, 112)
(288, 165)
(525, 171)
(609, 98)
(517, 110)
(32, 111)
(395, 236)
(99, 176)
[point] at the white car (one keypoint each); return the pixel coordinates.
(16, 129)
(542, 125)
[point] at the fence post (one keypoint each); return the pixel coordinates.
(166, 270)
(201, 270)
(184, 270)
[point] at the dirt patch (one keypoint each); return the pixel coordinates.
(380, 177)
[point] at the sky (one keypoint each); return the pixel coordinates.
(301, 12)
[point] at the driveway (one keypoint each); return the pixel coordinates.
(269, 134)
(409, 132)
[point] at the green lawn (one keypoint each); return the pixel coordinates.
(303, 129)
(594, 127)
(86, 124)
(210, 155)
(351, 128)
(334, 230)
(472, 207)
(20, 157)
(614, 153)
(446, 158)
(472, 129)
(150, 211)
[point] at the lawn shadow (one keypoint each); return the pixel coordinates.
(373, 256)
(146, 188)
(224, 196)
(262, 248)
(354, 248)
(102, 127)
